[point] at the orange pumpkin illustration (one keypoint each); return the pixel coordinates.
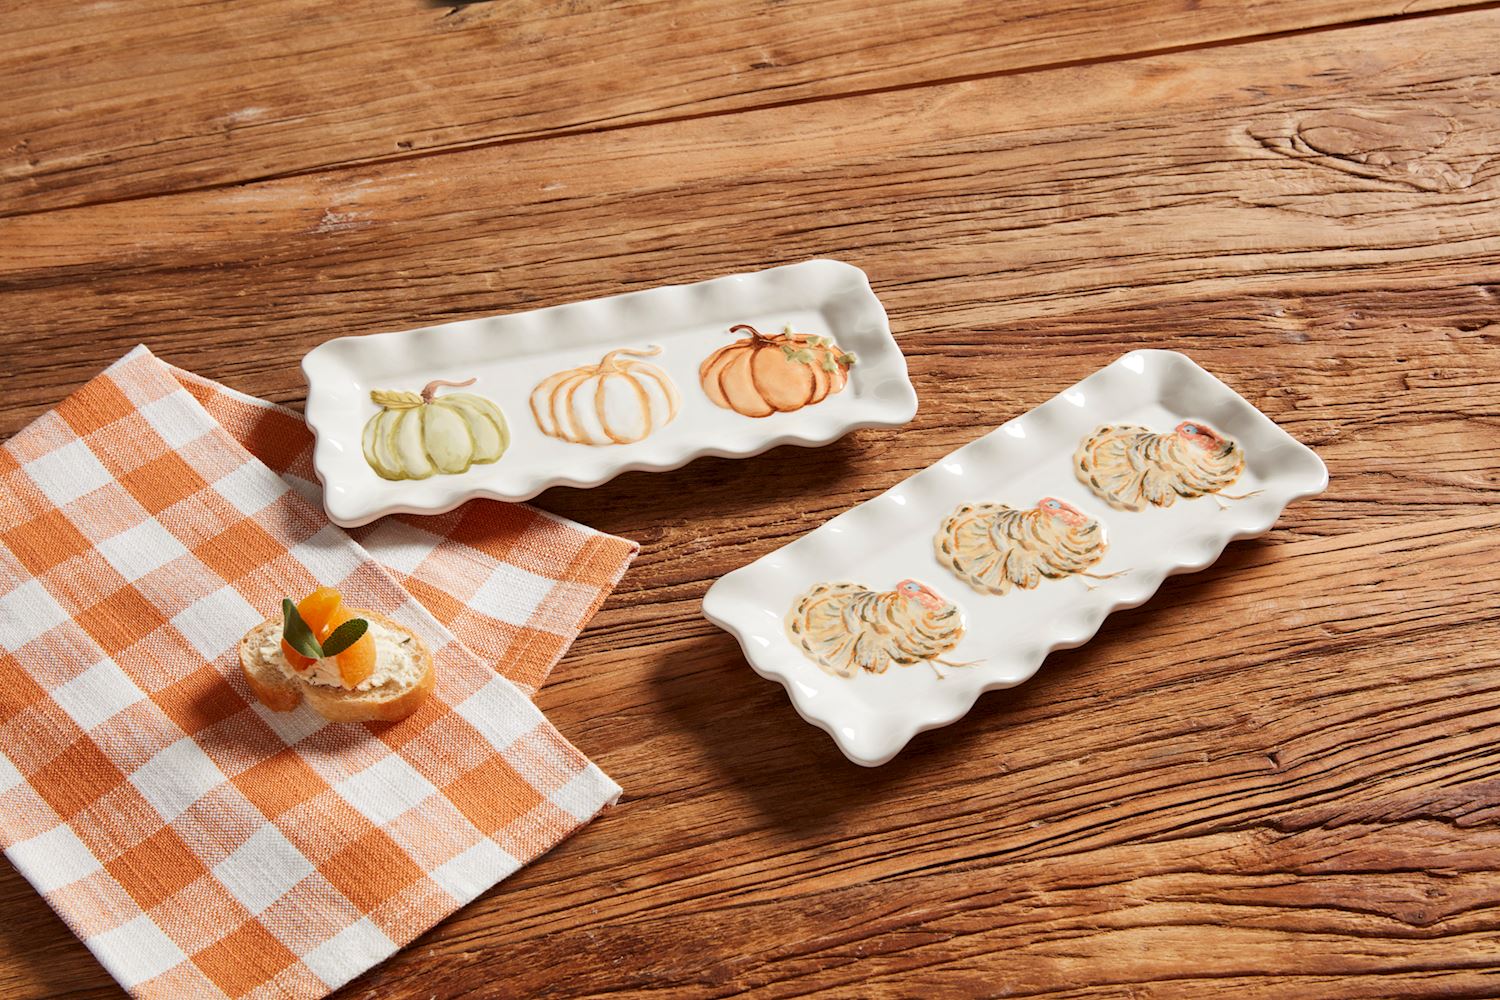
(765, 374)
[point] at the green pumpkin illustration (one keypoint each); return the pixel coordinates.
(417, 435)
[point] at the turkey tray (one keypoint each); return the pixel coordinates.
(573, 395)
(892, 618)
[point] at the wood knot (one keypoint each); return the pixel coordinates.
(1378, 140)
(1408, 146)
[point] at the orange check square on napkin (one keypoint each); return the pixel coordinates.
(199, 844)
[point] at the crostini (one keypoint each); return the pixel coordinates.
(348, 665)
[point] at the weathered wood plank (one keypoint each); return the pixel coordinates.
(146, 97)
(973, 205)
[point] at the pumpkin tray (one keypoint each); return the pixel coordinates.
(895, 616)
(573, 395)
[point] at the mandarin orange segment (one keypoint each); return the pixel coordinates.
(318, 610)
(357, 662)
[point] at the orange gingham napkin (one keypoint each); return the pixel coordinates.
(197, 843)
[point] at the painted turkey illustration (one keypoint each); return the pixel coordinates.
(1130, 466)
(993, 547)
(845, 628)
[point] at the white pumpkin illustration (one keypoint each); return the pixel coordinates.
(616, 401)
(416, 435)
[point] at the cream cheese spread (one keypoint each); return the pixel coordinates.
(397, 661)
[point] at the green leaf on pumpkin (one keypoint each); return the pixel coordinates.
(395, 399)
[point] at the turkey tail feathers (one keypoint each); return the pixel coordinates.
(993, 547)
(1132, 467)
(845, 628)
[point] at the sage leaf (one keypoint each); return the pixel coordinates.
(345, 636)
(296, 633)
(395, 399)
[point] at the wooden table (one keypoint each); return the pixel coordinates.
(1280, 778)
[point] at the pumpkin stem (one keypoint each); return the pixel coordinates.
(431, 387)
(608, 362)
(753, 332)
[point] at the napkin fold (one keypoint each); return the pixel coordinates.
(199, 844)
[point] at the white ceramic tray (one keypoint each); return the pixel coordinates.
(511, 356)
(897, 537)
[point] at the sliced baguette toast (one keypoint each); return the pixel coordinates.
(388, 702)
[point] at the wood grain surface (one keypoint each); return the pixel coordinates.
(134, 98)
(1277, 779)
